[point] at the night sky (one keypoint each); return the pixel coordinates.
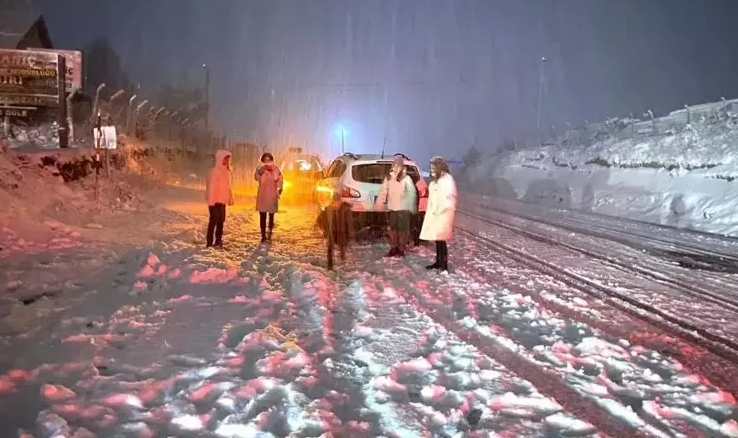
(430, 76)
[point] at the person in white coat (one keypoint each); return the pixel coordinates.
(399, 193)
(439, 217)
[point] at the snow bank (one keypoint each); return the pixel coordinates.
(683, 177)
(53, 193)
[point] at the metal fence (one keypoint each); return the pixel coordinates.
(645, 125)
(136, 117)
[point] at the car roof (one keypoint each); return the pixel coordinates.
(350, 158)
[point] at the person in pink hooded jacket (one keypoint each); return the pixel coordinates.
(219, 193)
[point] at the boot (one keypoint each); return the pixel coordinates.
(402, 247)
(443, 265)
(392, 252)
(443, 259)
(263, 235)
(435, 265)
(269, 235)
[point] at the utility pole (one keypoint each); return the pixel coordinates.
(540, 99)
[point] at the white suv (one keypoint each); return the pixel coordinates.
(356, 180)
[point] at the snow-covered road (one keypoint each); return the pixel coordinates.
(264, 341)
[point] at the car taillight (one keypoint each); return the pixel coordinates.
(348, 192)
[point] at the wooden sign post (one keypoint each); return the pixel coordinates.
(61, 84)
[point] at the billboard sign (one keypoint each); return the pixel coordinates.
(29, 78)
(74, 66)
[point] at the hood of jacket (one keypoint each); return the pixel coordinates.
(220, 154)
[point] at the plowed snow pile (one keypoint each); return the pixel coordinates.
(684, 179)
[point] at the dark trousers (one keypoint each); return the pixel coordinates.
(400, 224)
(263, 221)
(215, 224)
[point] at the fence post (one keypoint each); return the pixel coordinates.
(116, 95)
(95, 105)
(129, 114)
(689, 114)
(649, 113)
(70, 114)
(97, 126)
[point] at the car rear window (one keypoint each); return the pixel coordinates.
(302, 165)
(375, 173)
(413, 172)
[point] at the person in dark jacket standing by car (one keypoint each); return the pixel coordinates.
(439, 218)
(269, 177)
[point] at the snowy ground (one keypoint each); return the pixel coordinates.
(177, 340)
(684, 179)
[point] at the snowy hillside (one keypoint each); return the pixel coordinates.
(671, 174)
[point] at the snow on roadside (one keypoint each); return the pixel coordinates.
(684, 179)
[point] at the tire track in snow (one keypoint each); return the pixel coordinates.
(513, 357)
(669, 277)
(595, 313)
(497, 392)
(448, 309)
(324, 316)
(719, 345)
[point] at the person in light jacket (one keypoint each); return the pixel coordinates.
(439, 217)
(399, 193)
(270, 182)
(218, 193)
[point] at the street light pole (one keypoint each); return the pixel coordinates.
(207, 97)
(540, 99)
